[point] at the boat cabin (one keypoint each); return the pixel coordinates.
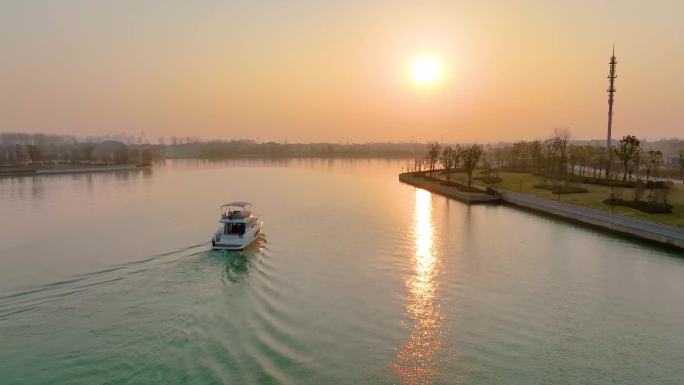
(236, 218)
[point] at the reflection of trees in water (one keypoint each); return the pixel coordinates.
(37, 191)
(147, 172)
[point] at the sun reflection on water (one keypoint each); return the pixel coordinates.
(416, 361)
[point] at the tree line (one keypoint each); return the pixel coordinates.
(555, 157)
(17, 149)
(450, 158)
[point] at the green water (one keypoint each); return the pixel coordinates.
(357, 279)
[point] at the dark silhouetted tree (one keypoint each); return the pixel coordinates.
(87, 150)
(626, 151)
(34, 153)
(447, 160)
(561, 136)
(470, 156)
(681, 165)
(433, 156)
(147, 157)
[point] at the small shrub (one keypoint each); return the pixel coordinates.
(588, 180)
(646, 207)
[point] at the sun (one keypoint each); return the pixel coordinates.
(426, 70)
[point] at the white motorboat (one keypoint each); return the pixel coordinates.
(238, 228)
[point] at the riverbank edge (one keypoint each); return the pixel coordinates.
(74, 170)
(449, 192)
(658, 233)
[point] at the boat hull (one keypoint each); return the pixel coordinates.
(231, 246)
(228, 247)
(233, 242)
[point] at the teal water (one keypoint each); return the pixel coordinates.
(357, 279)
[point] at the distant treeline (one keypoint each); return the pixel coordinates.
(22, 148)
(628, 159)
(18, 149)
(513, 152)
(248, 148)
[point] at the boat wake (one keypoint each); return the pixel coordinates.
(218, 316)
(34, 298)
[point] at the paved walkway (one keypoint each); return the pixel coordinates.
(652, 231)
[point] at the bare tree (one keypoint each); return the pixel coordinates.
(574, 158)
(517, 154)
(418, 164)
(636, 162)
(585, 158)
(536, 154)
(426, 162)
(447, 159)
(470, 157)
(433, 156)
(681, 165)
(561, 136)
(458, 156)
(548, 153)
(654, 159)
(626, 150)
(603, 160)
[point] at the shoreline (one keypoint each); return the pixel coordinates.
(81, 170)
(448, 191)
(654, 232)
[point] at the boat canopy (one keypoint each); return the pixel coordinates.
(245, 205)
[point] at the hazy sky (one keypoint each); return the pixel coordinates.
(340, 70)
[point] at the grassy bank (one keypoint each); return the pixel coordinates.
(593, 198)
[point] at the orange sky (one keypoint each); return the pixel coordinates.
(340, 71)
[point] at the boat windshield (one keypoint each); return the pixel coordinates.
(233, 228)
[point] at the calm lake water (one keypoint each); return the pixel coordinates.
(357, 279)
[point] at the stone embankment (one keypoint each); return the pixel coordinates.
(448, 191)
